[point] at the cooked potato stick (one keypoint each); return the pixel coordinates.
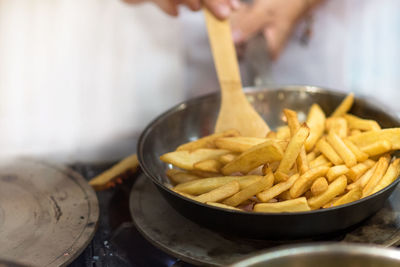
(311, 156)
(220, 205)
(337, 125)
(226, 158)
(284, 196)
(292, 151)
(355, 122)
(352, 195)
(178, 177)
(335, 188)
(391, 174)
(294, 125)
(316, 123)
(318, 161)
(354, 132)
(277, 189)
(256, 156)
(363, 180)
(251, 190)
(327, 150)
(356, 171)
(283, 133)
(380, 170)
(377, 148)
(341, 149)
(238, 143)
(271, 134)
(306, 180)
(391, 134)
(219, 193)
(319, 186)
(185, 159)
(330, 203)
(184, 194)
(207, 141)
(344, 107)
(336, 171)
(208, 165)
(201, 186)
(293, 205)
(361, 156)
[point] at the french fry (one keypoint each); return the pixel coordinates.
(327, 150)
(380, 170)
(319, 186)
(277, 189)
(204, 174)
(294, 125)
(201, 186)
(251, 190)
(352, 195)
(311, 156)
(391, 134)
(341, 149)
(330, 203)
(356, 171)
(184, 194)
(363, 180)
(316, 123)
(377, 148)
(293, 205)
(207, 141)
(256, 156)
(292, 151)
(226, 158)
(208, 165)
(306, 180)
(355, 122)
(337, 125)
(220, 205)
(344, 107)
(185, 159)
(354, 132)
(336, 171)
(284, 196)
(391, 174)
(283, 133)
(318, 161)
(219, 193)
(271, 134)
(335, 188)
(178, 177)
(360, 156)
(238, 143)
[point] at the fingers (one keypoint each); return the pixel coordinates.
(220, 8)
(194, 5)
(277, 36)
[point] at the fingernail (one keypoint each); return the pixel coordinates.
(224, 11)
(235, 4)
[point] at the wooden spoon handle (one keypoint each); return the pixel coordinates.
(223, 50)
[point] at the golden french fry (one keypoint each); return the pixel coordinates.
(378, 147)
(311, 156)
(238, 143)
(319, 186)
(292, 151)
(277, 189)
(355, 122)
(178, 177)
(391, 134)
(363, 180)
(201, 186)
(184, 194)
(336, 171)
(356, 171)
(341, 149)
(256, 156)
(354, 132)
(330, 203)
(284, 196)
(219, 193)
(220, 205)
(327, 150)
(208, 165)
(251, 190)
(335, 188)
(352, 195)
(306, 180)
(293, 205)
(337, 125)
(226, 158)
(344, 107)
(391, 174)
(207, 141)
(361, 156)
(283, 133)
(185, 159)
(204, 174)
(294, 125)
(318, 161)
(271, 134)
(316, 123)
(380, 170)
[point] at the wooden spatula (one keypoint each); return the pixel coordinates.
(235, 112)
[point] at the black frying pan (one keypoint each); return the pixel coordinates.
(196, 118)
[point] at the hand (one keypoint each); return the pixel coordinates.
(275, 19)
(220, 8)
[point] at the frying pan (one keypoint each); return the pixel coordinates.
(196, 118)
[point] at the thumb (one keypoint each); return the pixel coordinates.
(277, 36)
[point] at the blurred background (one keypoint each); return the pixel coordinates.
(79, 80)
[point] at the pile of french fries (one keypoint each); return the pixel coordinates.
(321, 163)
